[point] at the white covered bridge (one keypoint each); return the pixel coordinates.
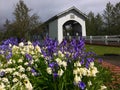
(70, 22)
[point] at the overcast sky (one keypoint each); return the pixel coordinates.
(48, 8)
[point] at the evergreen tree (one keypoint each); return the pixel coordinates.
(116, 19)
(99, 25)
(90, 24)
(108, 18)
(94, 24)
(24, 23)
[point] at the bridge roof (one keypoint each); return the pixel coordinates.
(66, 11)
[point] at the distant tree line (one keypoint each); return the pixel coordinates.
(26, 24)
(107, 23)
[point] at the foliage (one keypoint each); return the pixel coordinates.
(107, 23)
(1, 35)
(94, 24)
(50, 66)
(24, 22)
(108, 17)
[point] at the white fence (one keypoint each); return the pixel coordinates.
(103, 39)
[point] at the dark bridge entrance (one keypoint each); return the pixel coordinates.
(72, 28)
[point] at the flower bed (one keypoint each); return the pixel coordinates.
(52, 66)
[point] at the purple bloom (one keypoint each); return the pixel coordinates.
(33, 70)
(13, 41)
(90, 59)
(36, 43)
(100, 60)
(75, 55)
(9, 56)
(56, 43)
(82, 61)
(55, 75)
(29, 63)
(28, 56)
(87, 65)
(73, 42)
(2, 74)
(52, 65)
(67, 55)
(44, 53)
(81, 85)
(64, 42)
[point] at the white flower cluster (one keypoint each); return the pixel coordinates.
(60, 72)
(92, 71)
(79, 71)
(15, 71)
(60, 60)
(23, 49)
(61, 64)
(12, 75)
(49, 70)
(60, 54)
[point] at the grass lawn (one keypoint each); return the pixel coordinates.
(102, 50)
(107, 53)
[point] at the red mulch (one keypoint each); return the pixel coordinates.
(115, 74)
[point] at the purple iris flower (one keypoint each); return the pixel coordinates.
(82, 61)
(55, 75)
(29, 63)
(73, 42)
(36, 43)
(13, 41)
(87, 65)
(56, 43)
(90, 59)
(75, 55)
(2, 74)
(67, 55)
(64, 42)
(4, 47)
(28, 56)
(100, 60)
(33, 70)
(81, 85)
(9, 56)
(52, 47)
(52, 65)
(44, 53)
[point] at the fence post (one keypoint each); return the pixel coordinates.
(118, 40)
(90, 39)
(106, 40)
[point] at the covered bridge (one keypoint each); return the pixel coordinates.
(70, 22)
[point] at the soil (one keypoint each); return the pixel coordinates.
(113, 59)
(115, 70)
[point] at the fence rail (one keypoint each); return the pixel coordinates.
(106, 40)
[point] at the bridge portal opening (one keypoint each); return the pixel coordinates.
(72, 28)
